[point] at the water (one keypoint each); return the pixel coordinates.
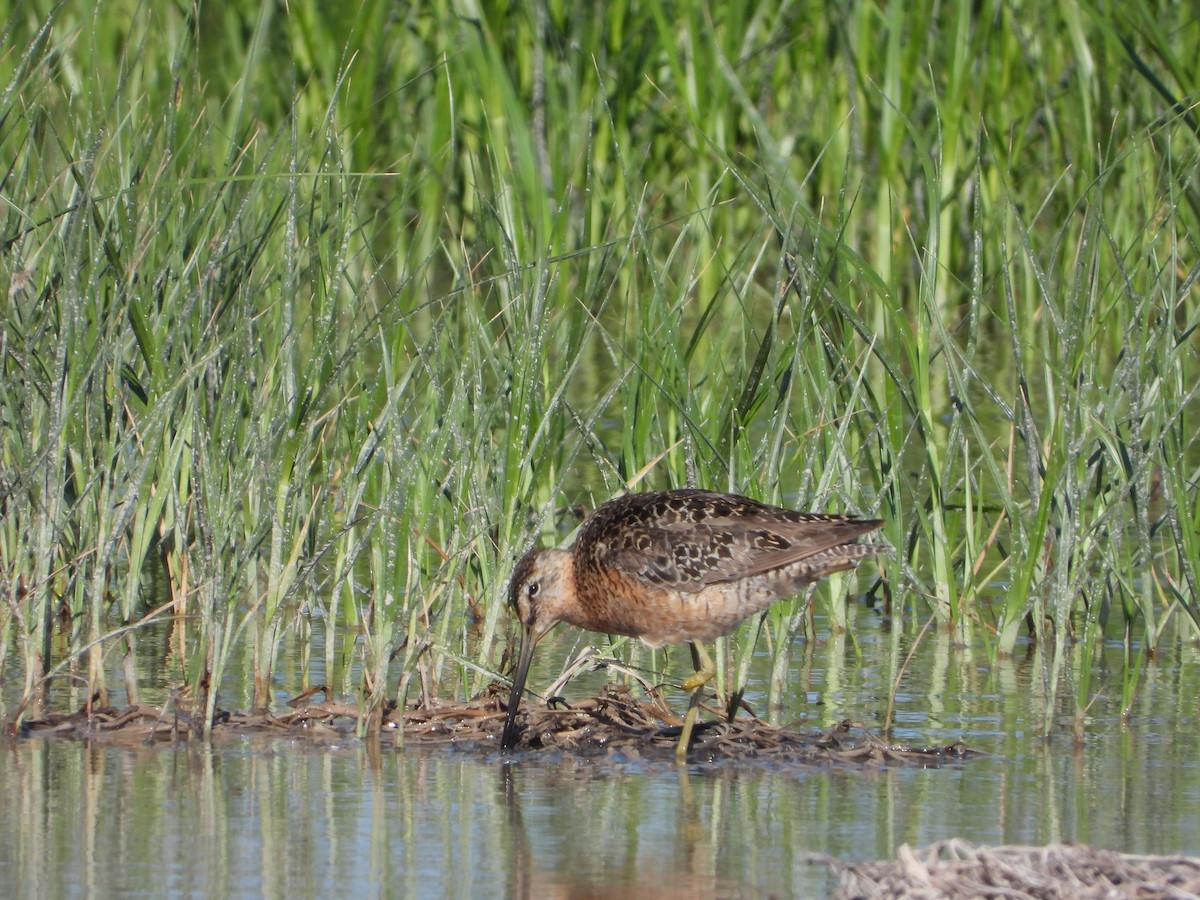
(282, 817)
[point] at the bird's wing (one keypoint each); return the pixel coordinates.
(688, 556)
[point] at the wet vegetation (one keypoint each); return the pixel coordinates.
(315, 317)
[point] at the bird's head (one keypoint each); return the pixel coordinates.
(541, 590)
(539, 594)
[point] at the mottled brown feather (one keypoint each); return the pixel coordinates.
(688, 539)
(680, 565)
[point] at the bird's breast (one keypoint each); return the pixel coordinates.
(612, 603)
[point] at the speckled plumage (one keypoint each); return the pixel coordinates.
(672, 566)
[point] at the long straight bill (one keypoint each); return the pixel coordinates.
(524, 655)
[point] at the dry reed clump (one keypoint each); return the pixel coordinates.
(956, 868)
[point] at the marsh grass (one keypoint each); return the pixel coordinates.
(324, 317)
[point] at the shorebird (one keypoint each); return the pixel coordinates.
(675, 566)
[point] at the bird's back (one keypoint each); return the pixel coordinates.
(690, 565)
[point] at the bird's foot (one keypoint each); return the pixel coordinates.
(698, 679)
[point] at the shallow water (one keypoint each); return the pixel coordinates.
(284, 817)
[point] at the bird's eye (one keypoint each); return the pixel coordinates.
(532, 589)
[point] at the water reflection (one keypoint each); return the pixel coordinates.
(647, 835)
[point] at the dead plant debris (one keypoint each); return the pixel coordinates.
(618, 723)
(614, 723)
(956, 868)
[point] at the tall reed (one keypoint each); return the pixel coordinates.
(316, 319)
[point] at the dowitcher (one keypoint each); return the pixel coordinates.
(675, 566)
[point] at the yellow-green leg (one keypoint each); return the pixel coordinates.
(705, 670)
